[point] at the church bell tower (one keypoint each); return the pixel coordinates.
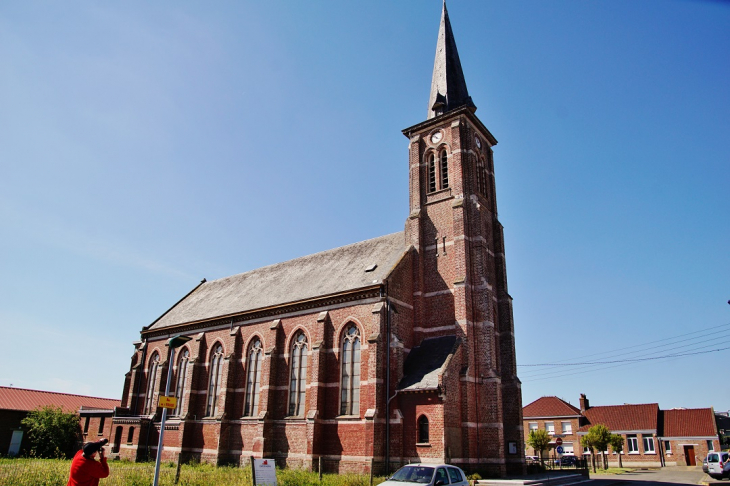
(460, 274)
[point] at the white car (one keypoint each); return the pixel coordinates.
(715, 463)
(427, 475)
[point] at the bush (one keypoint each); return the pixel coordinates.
(52, 433)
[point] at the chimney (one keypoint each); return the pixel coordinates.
(584, 403)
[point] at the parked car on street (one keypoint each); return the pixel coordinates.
(715, 463)
(532, 460)
(427, 475)
(568, 461)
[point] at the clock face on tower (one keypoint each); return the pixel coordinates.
(478, 142)
(436, 137)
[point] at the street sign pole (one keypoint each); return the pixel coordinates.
(173, 343)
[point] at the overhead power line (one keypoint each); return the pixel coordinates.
(680, 346)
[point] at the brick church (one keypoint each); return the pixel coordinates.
(387, 351)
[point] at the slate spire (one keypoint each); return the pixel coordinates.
(448, 87)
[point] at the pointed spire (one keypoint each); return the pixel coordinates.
(448, 87)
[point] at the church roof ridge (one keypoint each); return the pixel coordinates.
(317, 275)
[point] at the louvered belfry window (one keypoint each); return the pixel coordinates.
(444, 170)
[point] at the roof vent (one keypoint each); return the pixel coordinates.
(371, 267)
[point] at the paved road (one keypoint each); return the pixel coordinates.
(662, 476)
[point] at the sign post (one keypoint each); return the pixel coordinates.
(264, 472)
(174, 342)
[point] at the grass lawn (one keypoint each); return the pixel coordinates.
(54, 472)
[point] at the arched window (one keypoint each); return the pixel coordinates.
(431, 173)
(182, 371)
(422, 429)
(253, 379)
(214, 380)
(298, 375)
(149, 405)
(481, 178)
(444, 170)
(117, 439)
(350, 395)
(130, 435)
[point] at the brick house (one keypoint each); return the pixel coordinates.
(559, 418)
(94, 415)
(652, 437)
(395, 349)
(688, 435)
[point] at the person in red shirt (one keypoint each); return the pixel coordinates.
(85, 469)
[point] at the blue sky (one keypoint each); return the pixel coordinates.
(145, 147)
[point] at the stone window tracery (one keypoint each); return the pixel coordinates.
(214, 380)
(182, 369)
(149, 405)
(253, 378)
(350, 383)
(298, 376)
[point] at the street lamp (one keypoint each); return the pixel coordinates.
(173, 342)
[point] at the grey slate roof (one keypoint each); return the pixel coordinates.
(426, 362)
(326, 273)
(448, 85)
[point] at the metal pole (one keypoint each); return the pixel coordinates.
(387, 383)
(164, 417)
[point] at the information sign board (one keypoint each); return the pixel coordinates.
(168, 402)
(265, 471)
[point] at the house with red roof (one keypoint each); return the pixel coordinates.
(652, 437)
(559, 418)
(688, 435)
(15, 403)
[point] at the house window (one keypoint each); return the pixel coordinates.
(214, 380)
(568, 447)
(532, 426)
(298, 376)
(550, 427)
(149, 405)
(86, 425)
(422, 429)
(648, 445)
(566, 427)
(668, 446)
(431, 173)
(350, 388)
(632, 444)
(101, 425)
(444, 170)
(710, 446)
(130, 435)
(253, 378)
(182, 371)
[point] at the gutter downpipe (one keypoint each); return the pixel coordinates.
(387, 383)
(476, 372)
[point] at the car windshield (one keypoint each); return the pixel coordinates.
(713, 458)
(414, 474)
